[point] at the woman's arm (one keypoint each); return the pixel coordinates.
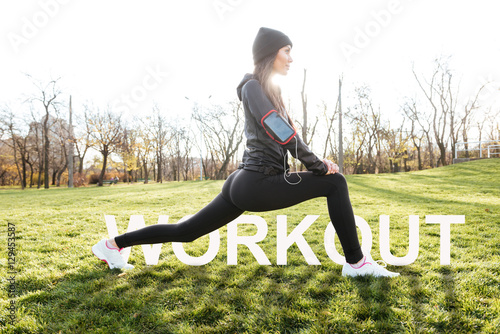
(332, 167)
(299, 150)
(260, 106)
(257, 101)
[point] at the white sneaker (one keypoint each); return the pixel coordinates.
(111, 256)
(370, 267)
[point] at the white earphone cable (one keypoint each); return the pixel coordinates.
(287, 173)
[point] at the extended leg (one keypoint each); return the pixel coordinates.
(216, 214)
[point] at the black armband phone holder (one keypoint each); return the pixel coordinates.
(277, 127)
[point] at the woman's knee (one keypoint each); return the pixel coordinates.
(338, 180)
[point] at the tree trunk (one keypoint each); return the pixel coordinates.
(431, 151)
(154, 170)
(59, 175)
(146, 174)
(419, 154)
(103, 170)
(159, 171)
(23, 164)
(46, 148)
(19, 173)
(80, 165)
(31, 174)
(71, 148)
(40, 171)
(442, 151)
(40, 161)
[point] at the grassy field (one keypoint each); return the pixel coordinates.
(62, 288)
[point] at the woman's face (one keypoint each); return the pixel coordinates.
(282, 61)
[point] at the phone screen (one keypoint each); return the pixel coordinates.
(279, 127)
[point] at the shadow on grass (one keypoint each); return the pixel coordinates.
(377, 299)
(466, 179)
(374, 304)
(94, 299)
(415, 199)
(182, 299)
(417, 298)
(454, 322)
(445, 317)
(174, 298)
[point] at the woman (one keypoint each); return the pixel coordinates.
(262, 182)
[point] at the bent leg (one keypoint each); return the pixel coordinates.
(254, 191)
(342, 216)
(216, 214)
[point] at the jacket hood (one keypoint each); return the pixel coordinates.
(247, 77)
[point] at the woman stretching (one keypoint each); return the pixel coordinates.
(262, 182)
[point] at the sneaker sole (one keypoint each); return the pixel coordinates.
(345, 274)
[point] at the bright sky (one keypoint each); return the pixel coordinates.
(131, 54)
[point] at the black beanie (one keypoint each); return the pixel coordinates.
(267, 42)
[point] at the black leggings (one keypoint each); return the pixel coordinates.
(253, 191)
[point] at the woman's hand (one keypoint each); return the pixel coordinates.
(332, 167)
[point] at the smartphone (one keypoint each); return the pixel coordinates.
(277, 127)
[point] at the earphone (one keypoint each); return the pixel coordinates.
(287, 173)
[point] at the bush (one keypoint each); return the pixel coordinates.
(80, 180)
(94, 178)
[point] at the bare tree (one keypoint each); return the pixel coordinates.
(158, 129)
(494, 124)
(106, 134)
(464, 122)
(187, 160)
(417, 132)
(37, 131)
(145, 147)
(355, 149)
(176, 147)
(307, 132)
(7, 175)
(32, 153)
(71, 142)
(396, 142)
(48, 97)
(22, 141)
(368, 120)
(223, 133)
(129, 151)
(60, 150)
(82, 140)
(442, 100)
(17, 143)
(329, 121)
(419, 117)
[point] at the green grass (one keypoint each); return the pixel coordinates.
(63, 288)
